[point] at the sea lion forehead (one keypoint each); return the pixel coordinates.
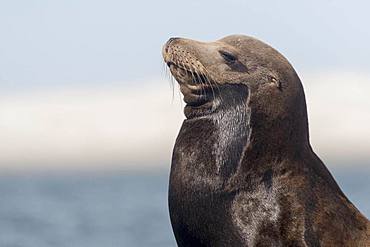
(259, 52)
(243, 41)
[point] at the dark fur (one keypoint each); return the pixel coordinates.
(243, 174)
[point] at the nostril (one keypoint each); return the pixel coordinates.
(172, 40)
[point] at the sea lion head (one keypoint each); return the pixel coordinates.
(203, 69)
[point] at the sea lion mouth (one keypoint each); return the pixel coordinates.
(195, 97)
(195, 86)
(185, 75)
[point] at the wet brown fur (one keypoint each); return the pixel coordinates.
(243, 172)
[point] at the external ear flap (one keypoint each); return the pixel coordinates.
(275, 81)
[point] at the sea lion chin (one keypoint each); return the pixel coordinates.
(243, 172)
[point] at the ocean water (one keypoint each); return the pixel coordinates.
(109, 209)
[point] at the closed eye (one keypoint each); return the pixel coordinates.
(233, 63)
(228, 57)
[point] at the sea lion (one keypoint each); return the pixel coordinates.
(243, 171)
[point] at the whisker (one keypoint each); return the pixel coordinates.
(210, 84)
(206, 81)
(171, 79)
(179, 93)
(191, 69)
(202, 86)
(193, 74)
(214, 83)
(168, 76)
(196, 79)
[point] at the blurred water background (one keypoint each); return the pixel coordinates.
(106, 209)
(89, 209)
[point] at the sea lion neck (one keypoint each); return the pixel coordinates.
(281, 136)
(235, 110)
(219, 135)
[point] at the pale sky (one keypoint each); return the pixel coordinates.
(82, 84)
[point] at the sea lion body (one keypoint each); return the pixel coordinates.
(243, 172)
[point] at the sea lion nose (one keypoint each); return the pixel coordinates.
(169, 42)
(172, 40)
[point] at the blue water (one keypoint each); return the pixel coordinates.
(111, 209)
